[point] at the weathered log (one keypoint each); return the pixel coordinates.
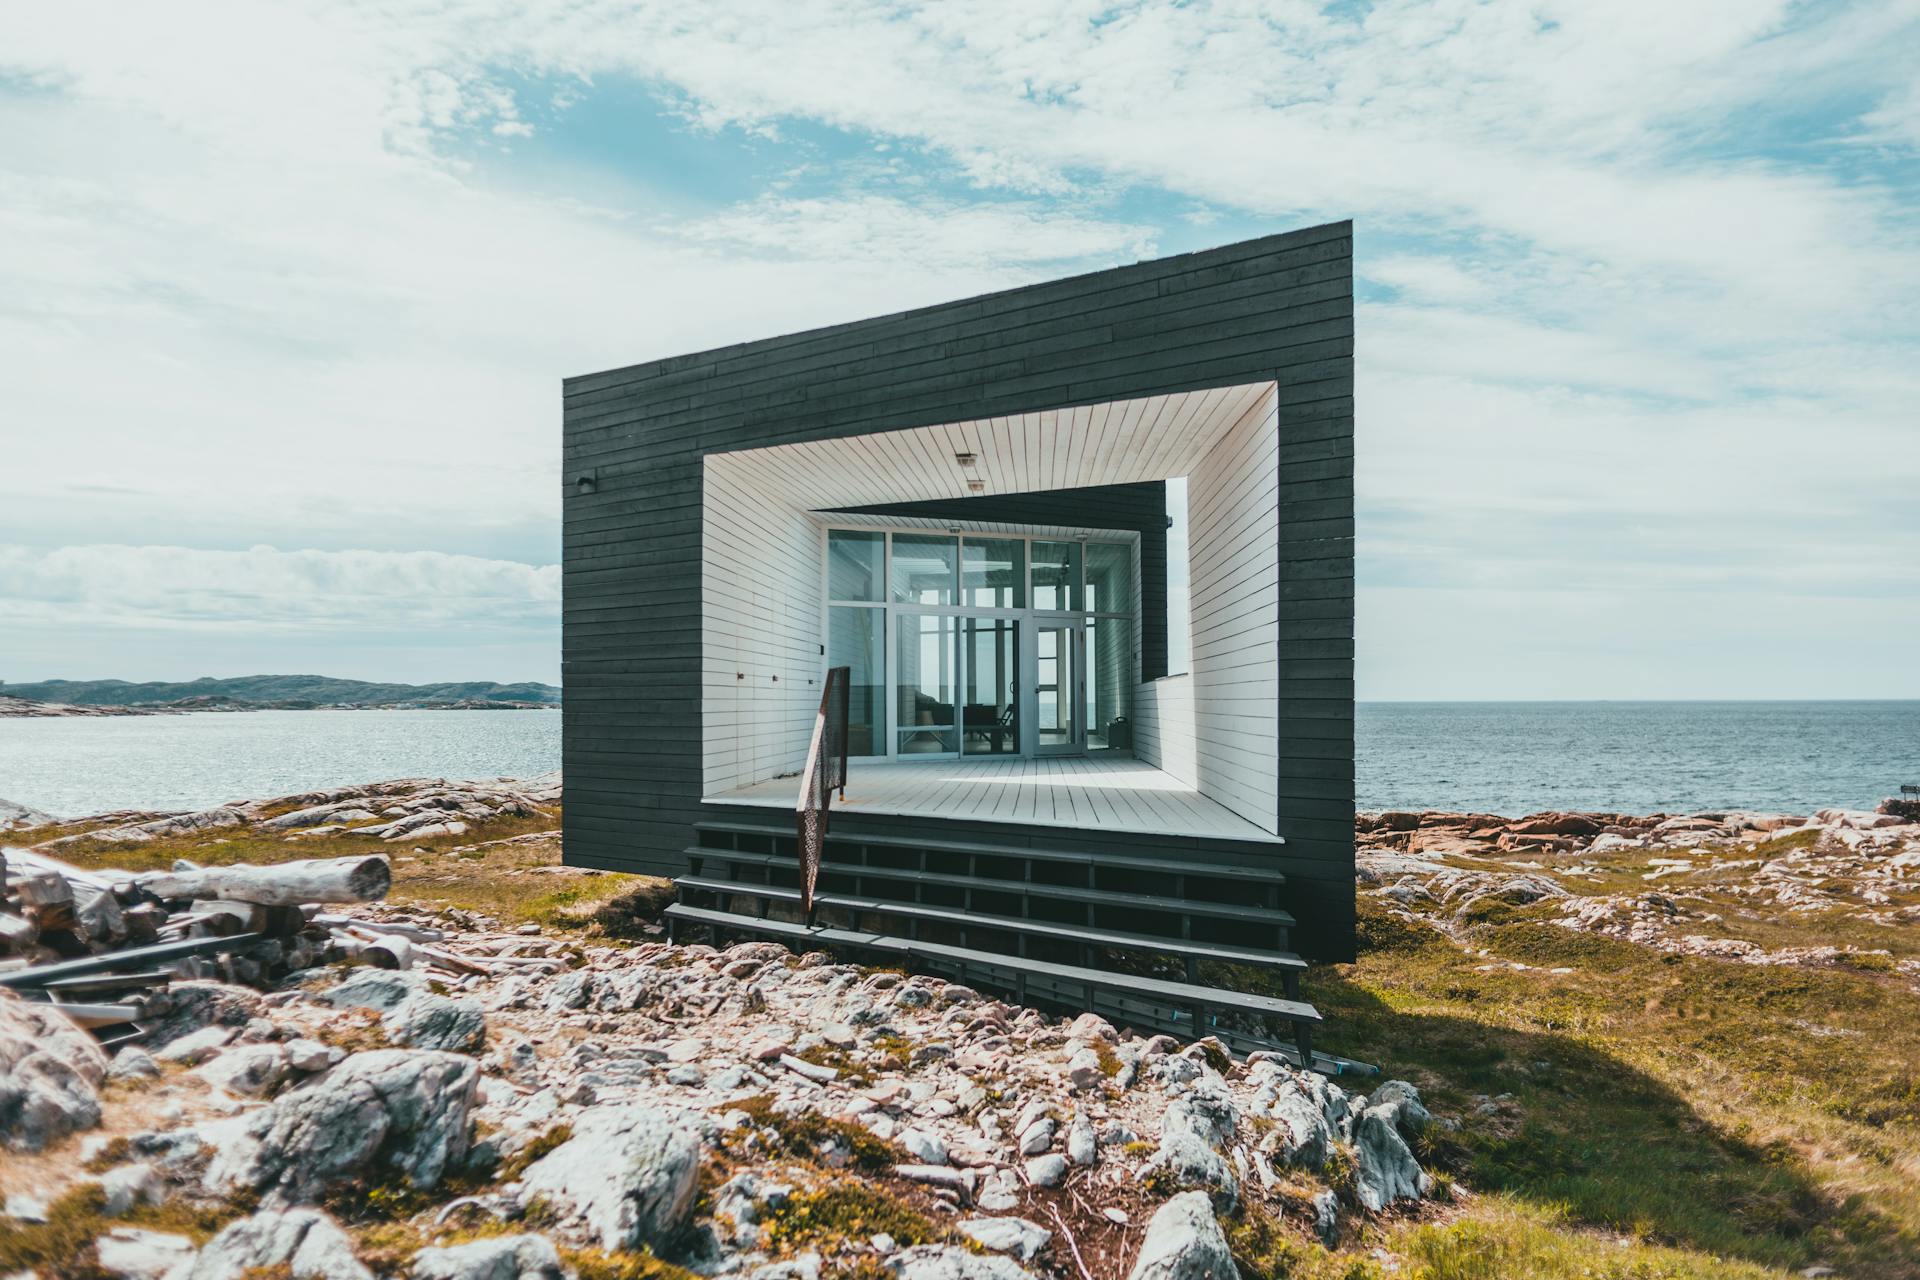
(364, 878)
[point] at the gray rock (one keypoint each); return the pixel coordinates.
(250, 1070)
(527, 1257)
(1192, 1130)
(1411, 1116)
(408, 1111)
(195, 1047)
(381, 989)
(437, 1022)
(129, 1185)
(1083, 1070)
(189, 1006)
(1384, 1169)
(1016, 1236)
(133, 1063)
(311, 1055)
(1301, 1135)
(1326, 1218)
(1184, 1242)
(949, 1262)
(141, 1255)
(305, 1241)
(1037, 1136)
(50, 1075)
(1193, 1163)
(628, 1175)
(1083, 1145)
(1047, 1170)
(927, 1148)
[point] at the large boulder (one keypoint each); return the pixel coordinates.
(50, 1075)
(628, 1176)
(182, 1008)
(1184, 1242)
(1384, 1167)
(437, 1022)
(394, 1112)
(306, 1242)
(525, 1257)
(1192, 1130)
(381, 989)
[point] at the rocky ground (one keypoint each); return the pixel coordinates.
(1576, 1083)
(1731, 885)
(520, 1101)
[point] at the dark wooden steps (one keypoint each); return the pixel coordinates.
(1289, 965)
(1101, 861)
(1018, 888)
(1180, 1006)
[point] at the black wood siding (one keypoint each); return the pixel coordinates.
(1141, 508)
(1279, 308)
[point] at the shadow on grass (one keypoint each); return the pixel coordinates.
(1584, 1132)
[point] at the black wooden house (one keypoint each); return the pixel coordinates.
(1097, 759)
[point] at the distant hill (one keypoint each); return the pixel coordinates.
(283, 691)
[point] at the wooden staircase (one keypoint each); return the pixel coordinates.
(1142, 941)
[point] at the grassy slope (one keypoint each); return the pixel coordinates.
(1694, 1117)
(1670, 1116)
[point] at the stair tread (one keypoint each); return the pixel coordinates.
(1178, 992)
(1108, 897)
(1139, 941)
(1220, 870)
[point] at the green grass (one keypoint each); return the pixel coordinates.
(1670, 1101)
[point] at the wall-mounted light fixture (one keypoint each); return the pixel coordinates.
(587, 481)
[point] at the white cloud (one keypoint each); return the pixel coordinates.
(264, 272)
(262, 589)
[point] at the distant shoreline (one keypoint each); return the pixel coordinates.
(31, 709)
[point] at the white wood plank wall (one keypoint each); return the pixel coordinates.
(1233, 561)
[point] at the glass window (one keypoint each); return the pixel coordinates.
(923, 568)
(856, 639)
(1109, 577)
(1056, 575)
(856, 564)
(927, 656)
(993, 573)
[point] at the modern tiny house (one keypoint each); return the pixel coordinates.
(1086, 551)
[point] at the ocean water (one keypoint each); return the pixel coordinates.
(90, 764)
(1634, 757)
(1489, 757)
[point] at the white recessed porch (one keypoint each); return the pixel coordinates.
(1111, 794)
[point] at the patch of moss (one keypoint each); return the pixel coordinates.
(1110, 1063)
(62, 1246)
(1263, 1249)
(598, 1264)
(117, 1151)
(844, 1210)
(804, 1133)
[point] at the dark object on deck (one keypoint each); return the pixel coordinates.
(826, 772)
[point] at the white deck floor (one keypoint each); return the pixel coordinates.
(1066, 791)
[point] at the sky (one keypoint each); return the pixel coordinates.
(287, 292)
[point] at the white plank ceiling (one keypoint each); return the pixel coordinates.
(1116, 443)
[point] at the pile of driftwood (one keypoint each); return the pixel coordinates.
(100, 945)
